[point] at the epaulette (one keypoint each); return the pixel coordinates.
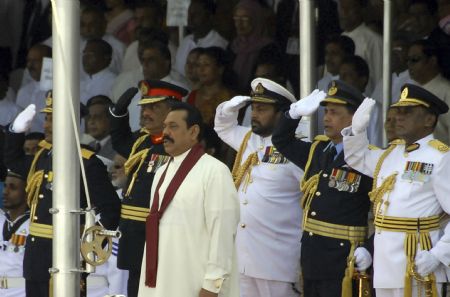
(439, 145)
(45, 144)
(87, 154)
(321, 138)
(373, 147)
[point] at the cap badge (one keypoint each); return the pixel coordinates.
(144, 88)
(49, 99)
(259, 90)
(404, 94)
(333, 89)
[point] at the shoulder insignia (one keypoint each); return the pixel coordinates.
(87, 154)
(397, 141)
(45, 144)
(321, 138)
(373, 147)
(439, 145)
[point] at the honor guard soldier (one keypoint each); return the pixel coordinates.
(14, 226)
(38, 254)
(410, 195)
(146, 154)
(335, 196)
(268, 234)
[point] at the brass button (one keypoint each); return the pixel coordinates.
(245, 202)
(45, 175)
(310, 234)
(32, 238)
(41, 196)
(242, 225)
(313, 213)
(35, 218)
(341, 244)
(317, 193)
(325, 175)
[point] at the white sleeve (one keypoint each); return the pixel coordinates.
(221, 208)
(226, 126)
(357, 153)
(441, 188)
(117, 278)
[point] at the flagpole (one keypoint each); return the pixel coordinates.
(66, 167)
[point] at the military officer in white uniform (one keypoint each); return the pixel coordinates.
(410, 195)
(14, 228)
(269, 233)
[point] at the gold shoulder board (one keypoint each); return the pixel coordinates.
(87, 154)
(439, 145)
(321, 138)
(397, 141)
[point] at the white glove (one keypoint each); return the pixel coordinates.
(426, 263)
(22, 123)
(363, 259)
(235, 103)
(308, 105)
(361, 118)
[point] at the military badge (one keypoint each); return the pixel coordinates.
(333, 89)
(273, 156)
(417, 171)
(344, 181)
(156, 161)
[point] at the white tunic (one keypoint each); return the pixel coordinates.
(408, 199)
(99, 83)
(196, 233)
(11, 258)
(269, 233)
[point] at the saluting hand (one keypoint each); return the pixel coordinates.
(306, 106)
(361, 118)
(22, 123)
(124, 101)
(235, 103)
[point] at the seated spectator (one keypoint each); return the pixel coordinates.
(31, 93)
(98, 126)
(190, 68)
(93, 26)
(214, 77)
(441, 37)
(425, 69)
(8, 109)
(200, 21)
(99, 79)
(337, 48)
(148, 16)
(355, 72)
(156, 65)
(30, 146)
(368, 44)
(120, 21)
(250, 38)
(420, 20)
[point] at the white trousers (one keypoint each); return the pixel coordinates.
(400, 291)
(256, 287)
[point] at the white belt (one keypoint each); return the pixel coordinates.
(96, 281)
(11, 282)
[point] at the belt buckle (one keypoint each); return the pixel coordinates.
(4, 282)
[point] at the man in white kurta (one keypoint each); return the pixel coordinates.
(196, 232)
(269, 233)
(411, 188)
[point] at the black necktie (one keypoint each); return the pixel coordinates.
(329, 155)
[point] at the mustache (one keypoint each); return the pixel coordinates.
(168, 138)
(255, 122)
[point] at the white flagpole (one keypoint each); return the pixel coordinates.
(66, 167)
